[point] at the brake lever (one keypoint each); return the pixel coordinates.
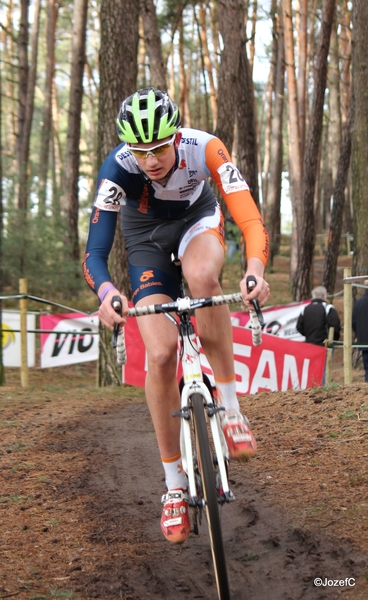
(251, 284)
(118, 308)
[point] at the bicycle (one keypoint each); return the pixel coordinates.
(204, 450)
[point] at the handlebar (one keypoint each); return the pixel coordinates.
(182, 305)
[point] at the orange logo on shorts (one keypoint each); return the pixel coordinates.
(146, 275)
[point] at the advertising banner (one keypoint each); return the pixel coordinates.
(277, 365)
(279, 320)
(11, 339)
(74, 339)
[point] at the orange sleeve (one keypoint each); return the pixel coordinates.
(238, 198)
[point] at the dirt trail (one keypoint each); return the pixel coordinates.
(81, 482)
(267, 556)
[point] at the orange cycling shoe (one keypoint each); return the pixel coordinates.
(175, 523)
(239, 438)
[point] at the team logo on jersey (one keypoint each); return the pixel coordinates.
(190, 141)
(122, 155)
(146, 275)
(182, 165)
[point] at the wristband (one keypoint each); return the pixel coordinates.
(104, 292)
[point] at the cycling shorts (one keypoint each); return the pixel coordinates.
(151, 243)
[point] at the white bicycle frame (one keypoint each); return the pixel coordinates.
(193, 378)
(193, 384)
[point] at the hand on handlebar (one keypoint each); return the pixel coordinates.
(118, 340)
(108, 315)
(260, 291)
(251, 285)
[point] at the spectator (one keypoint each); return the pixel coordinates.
(317, 317)
(360, 326)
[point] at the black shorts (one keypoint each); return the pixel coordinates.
(150, 244)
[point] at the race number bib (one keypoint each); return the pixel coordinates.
(231, 178)
(110, 196)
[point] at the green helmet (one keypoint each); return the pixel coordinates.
(147, 115)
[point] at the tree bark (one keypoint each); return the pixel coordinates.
(345, 53)
(273, 214)
(208, 65)
(46, 128)
(360, 135)
(230, 13)
(302, 280)
(183, 92)
(295, 161)
(152, 40)
(27, 84)
(118, 54)
(334, 236)
(302, 71)
(246, 127)
(72, 154)
(22, 77)
(2, 370)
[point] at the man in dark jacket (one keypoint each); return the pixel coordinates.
(360, 326)
(317, 317)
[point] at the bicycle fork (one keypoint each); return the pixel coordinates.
(194, 384)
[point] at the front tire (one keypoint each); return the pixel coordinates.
(210, 496)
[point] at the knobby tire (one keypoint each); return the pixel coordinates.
(210, 496)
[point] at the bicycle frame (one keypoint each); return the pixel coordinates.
(193, 383)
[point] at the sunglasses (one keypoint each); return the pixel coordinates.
(156, 151)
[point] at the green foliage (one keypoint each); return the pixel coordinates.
(38, 252)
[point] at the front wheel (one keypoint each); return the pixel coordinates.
(210, 496)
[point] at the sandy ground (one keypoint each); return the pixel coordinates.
(81, 481)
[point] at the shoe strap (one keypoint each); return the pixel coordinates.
(174, 496)
(234, 418)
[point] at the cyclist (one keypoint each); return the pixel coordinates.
(157, 179)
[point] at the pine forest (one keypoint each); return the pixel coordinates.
(284, 83)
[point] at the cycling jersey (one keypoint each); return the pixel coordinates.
(123, 186)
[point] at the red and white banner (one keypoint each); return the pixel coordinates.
(279, 320)
(278, 364)
(74, 339)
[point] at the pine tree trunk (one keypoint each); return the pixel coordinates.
(46, 127)
(329, 275)
(208, 65)
(230, 14)
(273, 215)
(246, 127)
(152, 40)
(27, 84)
(118, 55)
(2, 371)
(72, 154)
(295, 162)
(360, 136)
(302, 280)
